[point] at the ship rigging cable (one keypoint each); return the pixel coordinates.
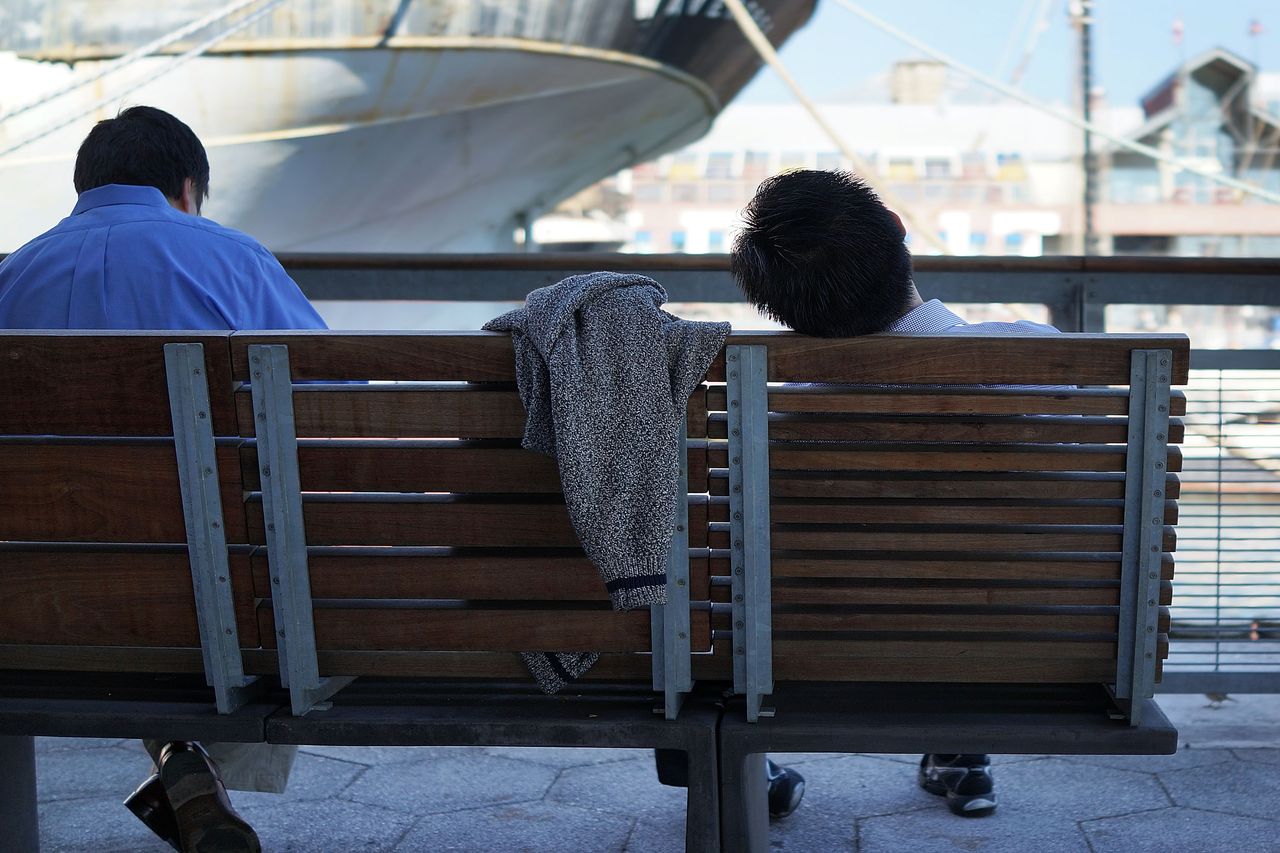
(761, 43)
(176, 62)
(1010, 91)
(131, 57)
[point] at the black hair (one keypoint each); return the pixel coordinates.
(143, 146)
(821, 253)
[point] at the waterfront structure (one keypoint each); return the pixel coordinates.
(381, 125)
(996, 178)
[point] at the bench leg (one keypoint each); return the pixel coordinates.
(18, 814)
(744, 802)
(702, 815)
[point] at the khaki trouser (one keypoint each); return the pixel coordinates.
(245, 766)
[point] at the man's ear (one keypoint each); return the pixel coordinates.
(898, 219)
(186, 200)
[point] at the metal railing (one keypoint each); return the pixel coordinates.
(1226, 613)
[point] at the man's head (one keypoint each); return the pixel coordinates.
(821, 253)
(144, 146)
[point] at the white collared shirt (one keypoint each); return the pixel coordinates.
(934, 318)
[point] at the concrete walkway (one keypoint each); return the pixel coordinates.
(1221, 792)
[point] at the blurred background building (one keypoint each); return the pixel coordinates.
(993, 177)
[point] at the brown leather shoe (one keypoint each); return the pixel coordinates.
(202, 812)
(151, 806)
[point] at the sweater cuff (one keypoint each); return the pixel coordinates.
(637, 582)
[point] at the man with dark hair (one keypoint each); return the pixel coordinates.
(134, 254)
(820, 253)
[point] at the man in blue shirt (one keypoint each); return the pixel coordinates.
(135, 254)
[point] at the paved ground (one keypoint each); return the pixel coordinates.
(1221, 792)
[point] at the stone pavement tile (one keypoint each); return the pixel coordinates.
(466, 780)
(840, 790)
(1180, 829)
(533, 827)
(1009, 830)
(77, 826)
(1247, 721)
(112, 771)
(54, 744)
(1054, 790)
(1183, 759)
(657, 834)
(1243, 788)
(568, 756)
(313, 778)
(1263, 756)
(371, 755)
(627, 787)
(328, 826)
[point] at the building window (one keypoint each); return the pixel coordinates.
(720, 165)
(649, 192)
(978, 240)
(792, 160)
(684, 192)
(1013, 242)
(684, 167)
(1009, 167)
(936, 167)
(755, 165)
(829, 161)
(721, 193)
(644, 241)
(677, 241)
(974, 165)
(902, 169)
(715, 241)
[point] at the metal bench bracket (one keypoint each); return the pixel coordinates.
(746, 371)
(272, 387)
(206, 535)
(670, 630)
(1145, 472)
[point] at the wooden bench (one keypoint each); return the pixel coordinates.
(892, 537)
(923, 562)
(309, 526)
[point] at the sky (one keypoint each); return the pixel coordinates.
(838, 55)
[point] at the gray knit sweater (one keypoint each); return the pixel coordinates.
(604, 375)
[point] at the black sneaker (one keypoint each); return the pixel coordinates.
(786, 789)
(965, 780)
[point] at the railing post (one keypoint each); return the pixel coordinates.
(277, 441)
(206, 536)
(672, 646)
(1144, 497)
(746, 373)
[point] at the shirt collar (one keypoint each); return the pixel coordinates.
(119, 194)
(931, 318)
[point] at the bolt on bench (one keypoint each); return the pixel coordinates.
(312, 524)
(924, 562)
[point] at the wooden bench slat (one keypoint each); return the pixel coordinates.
(820, 456)
(1012, 669)
(986, 595)
(420, 629)
(102, 384)
(945, 401)
(458, 467)
(845, 645)
(394, 356)
(1028, 567)
(958, 359)
(109, 598)
(460, 575)
(1044, 428)
(826, 511)
(459, 525)
(1012, 485)
(1098, 538)
(1065, 619)
(72, 492)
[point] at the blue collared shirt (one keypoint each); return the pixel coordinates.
(126, 259)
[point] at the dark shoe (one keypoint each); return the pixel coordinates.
(786, 789)
(205, 819)
(965, 780)
(151, 806)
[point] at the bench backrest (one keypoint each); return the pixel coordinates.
(926, 526)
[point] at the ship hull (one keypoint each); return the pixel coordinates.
(396, 149)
